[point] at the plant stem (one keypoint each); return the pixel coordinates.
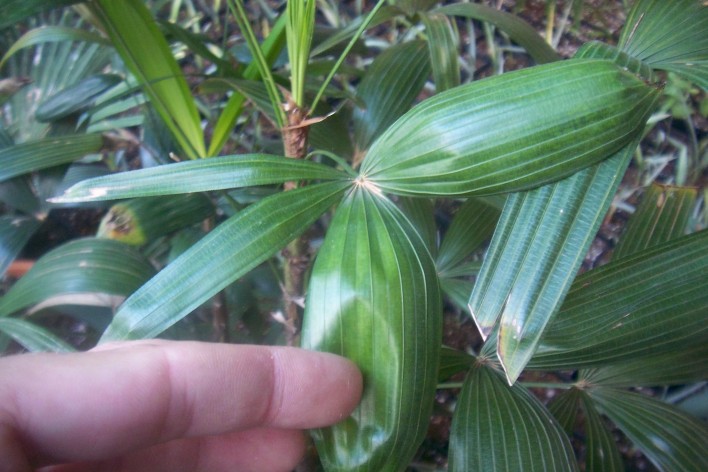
(297, 253)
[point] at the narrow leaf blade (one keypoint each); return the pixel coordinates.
(497, 427)
(228, 252)
(443, 48)
(387, 96)
(512, 132)
(86, 265)
(48, 152)
(517, 29)
(671, 439)
(374, 298)
(217, 173)
(142, 46)
(650, 303)
(662, 215)
(33, 337)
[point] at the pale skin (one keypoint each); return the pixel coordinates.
(172, 406)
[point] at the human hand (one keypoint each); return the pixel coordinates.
(169, 406)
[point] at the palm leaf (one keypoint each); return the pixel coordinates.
(497, 427)
(218, 173)
(230, 251)
(81, 266)
(145, 51)
(511, 132)
(374, 298)
(671, 439)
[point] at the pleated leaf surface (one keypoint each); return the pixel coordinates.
(536, 251)
(511, 132)
(649, 303)
(374, 298)
(497, 427)
(88, 265)
(218, 173)
(671, 439)
(231, 250)
(662, 215)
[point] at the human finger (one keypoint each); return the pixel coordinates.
(100, 404)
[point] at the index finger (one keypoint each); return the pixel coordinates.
(105, 402)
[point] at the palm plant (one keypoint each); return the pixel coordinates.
(552, 140)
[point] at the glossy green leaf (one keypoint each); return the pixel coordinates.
(473, 224)
(421, 214)
(374, 298)
(386, 96)
(15, 231)
(48, 152)
(75, 98)
(32, 337)
(453, 361)
(143, 48)
(18, 194)
(683, 365)
(671, 439)
(539, 244)
(142, 220)
(228, 252)
(662, 215)
(14, 11)
(511, 132)
(518, 30)
(497, 427)
(81, 266)
(649, 303)
(601, 452)
(45, 34)
(443, 48)
(457, 291)
(218, 173)
(669, 36)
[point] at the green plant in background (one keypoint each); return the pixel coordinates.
(553, 140)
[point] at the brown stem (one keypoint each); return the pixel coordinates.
(297, 253)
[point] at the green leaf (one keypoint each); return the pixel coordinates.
(662, 215)
(453, 361)
(511, 132)
(34, 338)
(601, 452)
(15, 231)
(649, 303)
(457, 291)
(48, 152)
(421, 214)
(497, 427)
(473, 224)
(143, 220)
(387, 96)
(671, 439)
(228, 252)
(75, 98)
(443, 47)
(145, 51)
(14, 11)
(45, 34)
(270, 48)
(374, 298)
(669, 36)
(682, 365)
(81, 266)
(217, 173)
(538, 246)
(518, 30)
